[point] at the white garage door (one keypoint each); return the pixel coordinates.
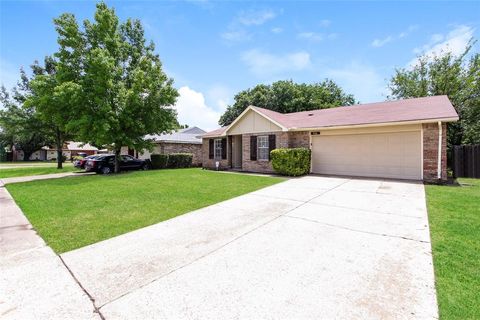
(389, 155)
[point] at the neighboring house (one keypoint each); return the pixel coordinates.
(403, 139)
(182, 141)
(70, 149)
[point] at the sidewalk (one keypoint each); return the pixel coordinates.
(4, 181)
(34, 283)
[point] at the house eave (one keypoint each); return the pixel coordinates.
(379, 124)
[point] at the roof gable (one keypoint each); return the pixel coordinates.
(426, 109)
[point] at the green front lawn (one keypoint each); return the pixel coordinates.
(73, 212)
(33, 171)
(454, 214)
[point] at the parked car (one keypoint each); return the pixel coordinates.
(80, 163)
(106, 164)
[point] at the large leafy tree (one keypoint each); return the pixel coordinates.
(458, 77)
(21, 125)
(288, 96)
(54, 99)
(108, 87)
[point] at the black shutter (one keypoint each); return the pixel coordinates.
(253, 148)
(224, 148)
(271, 144)
(210, 148)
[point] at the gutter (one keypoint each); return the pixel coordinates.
(439, 160)
(379, 124)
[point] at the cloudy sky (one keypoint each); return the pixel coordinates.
(215, 49)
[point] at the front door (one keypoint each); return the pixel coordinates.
(237, 151)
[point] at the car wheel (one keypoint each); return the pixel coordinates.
(146, 167)
(106, 170)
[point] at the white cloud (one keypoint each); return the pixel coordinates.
(381, 42)
(249, 18)
(266, 64)
(325, 23)
(454, 41)
(236, 36)
(237, 29)
(193, 110)
(409, 30)
(311, 36)
(220, 96)
(277, 30)
(363, 81)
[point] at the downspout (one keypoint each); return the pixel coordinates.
(439, 160)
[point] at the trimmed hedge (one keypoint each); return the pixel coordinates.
(180, 160)
(159, 161)
(291, 162)
(172, 161)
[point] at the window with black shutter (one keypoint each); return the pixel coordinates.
(210, 148)
(224, 148)
(271, 144)
(253, 148)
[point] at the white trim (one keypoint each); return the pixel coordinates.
(439, 159)
(258, 147)
(215, 149)
(258, 112)
(421, 150)
(311, 150)
(380, 124)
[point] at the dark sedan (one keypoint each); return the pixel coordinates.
(81, 162)
(106, 164)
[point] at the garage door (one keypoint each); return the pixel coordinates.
(390, 155)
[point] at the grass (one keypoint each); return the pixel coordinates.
(34, 170)
(70, 213)
(454, 214)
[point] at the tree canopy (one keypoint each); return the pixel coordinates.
(458, 77)
(109, 88)
(288, 96)
(22, 126)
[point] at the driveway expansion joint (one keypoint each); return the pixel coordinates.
(357, 230)
(92, 299)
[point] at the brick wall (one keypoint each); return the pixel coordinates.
(210, 163)
(430, 151)
(299, 139)
(195, 149)
(282, 140)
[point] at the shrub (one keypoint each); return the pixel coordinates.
(159, 161)
(3, 153)
(179, 160)
(291, 162)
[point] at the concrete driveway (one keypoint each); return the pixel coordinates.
(308, 248)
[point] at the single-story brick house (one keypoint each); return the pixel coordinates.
(182, 141)
(404, 139)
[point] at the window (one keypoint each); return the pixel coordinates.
(262, 148)
(218, 149)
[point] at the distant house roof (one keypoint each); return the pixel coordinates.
(73, 145)
(215, 133)
(407, 110)
(187, 135)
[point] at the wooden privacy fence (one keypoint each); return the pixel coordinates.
(466, 161)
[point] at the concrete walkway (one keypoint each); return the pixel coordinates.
(34, 283)
(307, 248)
(4, 181)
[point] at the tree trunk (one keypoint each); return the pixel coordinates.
(26, 155)
(117, 160)
(59, 143)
